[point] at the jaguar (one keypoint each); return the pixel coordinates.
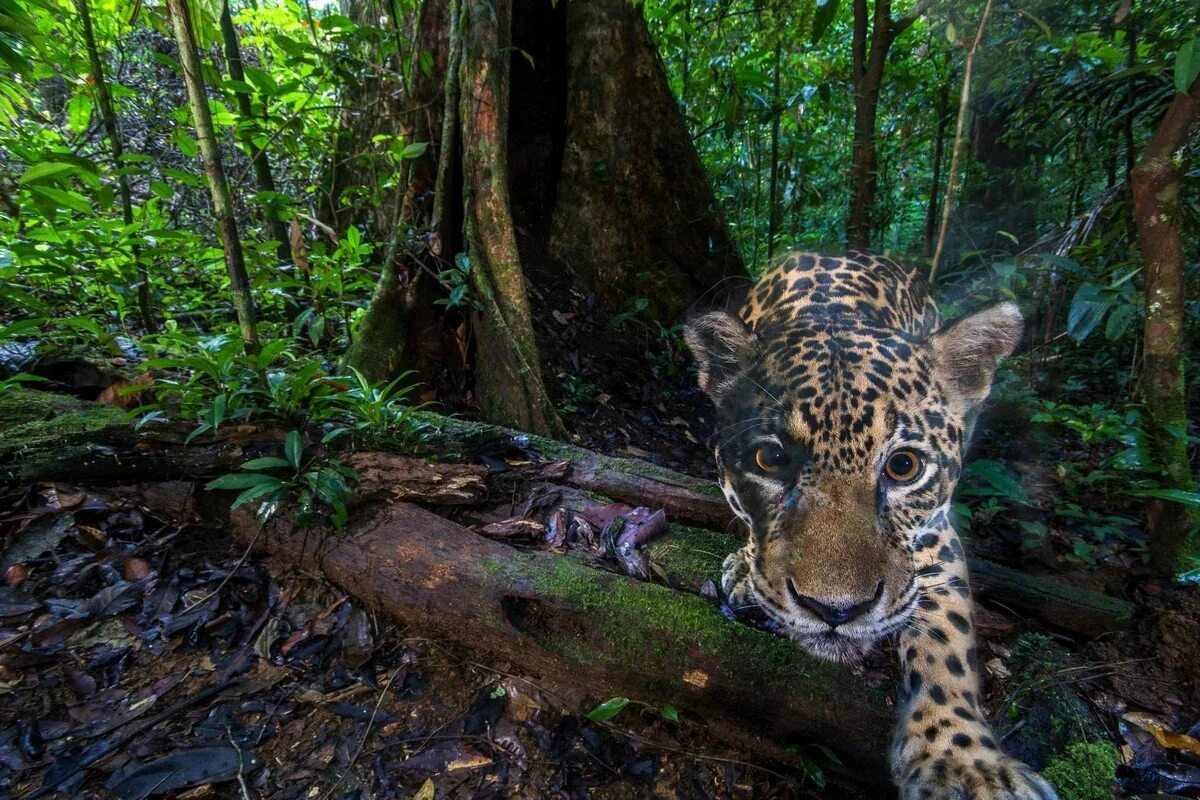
(844, 406)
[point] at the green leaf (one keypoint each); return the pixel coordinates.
(1187, 65)
(414, 150)
(62, 198)
(1174, 495)
(186, 144)
(1088, 307)
(823, 17)
(253, 493)
(266, 462)
(79, 112)
(293, 446)
(670, 713)
(47, 171)
(608, 709)
(239, 480)
(1119, 321)
(999, 482)
(262, 80)
(240, 87)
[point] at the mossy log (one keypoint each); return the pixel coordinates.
(52, 437)
(593, 633)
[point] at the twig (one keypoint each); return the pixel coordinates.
(240, 563)
(241, 777)
(956, 154)
(366, 734)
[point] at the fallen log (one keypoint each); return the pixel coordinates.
(572, 625)
(700, 502)
(52, 437)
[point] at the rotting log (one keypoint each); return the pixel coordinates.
(53, 437)
(592, 631)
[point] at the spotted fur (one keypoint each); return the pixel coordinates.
(833, 366)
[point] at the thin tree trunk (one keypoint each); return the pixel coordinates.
(869, 53)
(775, 219)
(1155, 181)
(959, 141)
(109, 116)
(508, 378)
(259, 160)
(235, 264)
(939, 146)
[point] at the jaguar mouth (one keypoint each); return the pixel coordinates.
(837, 644)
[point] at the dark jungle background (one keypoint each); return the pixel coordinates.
(331, 221)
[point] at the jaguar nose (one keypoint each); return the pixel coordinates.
(834, 612)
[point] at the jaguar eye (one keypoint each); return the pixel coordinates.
(770, 458)
(903, 466)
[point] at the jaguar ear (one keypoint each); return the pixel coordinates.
(966, 353)
(722, 347)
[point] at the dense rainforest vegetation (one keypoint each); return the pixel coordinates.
(263, 246)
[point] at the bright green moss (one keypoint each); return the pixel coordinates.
(29, 413)
(691, 555)
(1085, 772)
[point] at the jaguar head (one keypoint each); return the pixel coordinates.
(840, 445)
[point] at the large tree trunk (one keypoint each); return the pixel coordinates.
(508, 381)
(235, 264)
(1174, 529)
(633, 213)
(573, 174)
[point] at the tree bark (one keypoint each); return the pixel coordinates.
(633, 214)
(108, 115)
(259, 161)
(235, 264)
(401, 330)
(508, 380)
(1174, 528)
(868, 61)
(564, 166)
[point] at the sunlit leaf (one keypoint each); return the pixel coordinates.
(608, 709)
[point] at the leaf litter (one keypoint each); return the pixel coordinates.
(140, 658)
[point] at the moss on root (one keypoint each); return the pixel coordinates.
(1084, 772)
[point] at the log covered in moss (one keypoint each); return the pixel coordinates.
(596, 632)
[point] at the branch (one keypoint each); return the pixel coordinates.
(952, 175)
(899, 26)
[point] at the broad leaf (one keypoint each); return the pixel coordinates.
(608, 709)
(242, 481)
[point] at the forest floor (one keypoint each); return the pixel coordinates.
(140, 656)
